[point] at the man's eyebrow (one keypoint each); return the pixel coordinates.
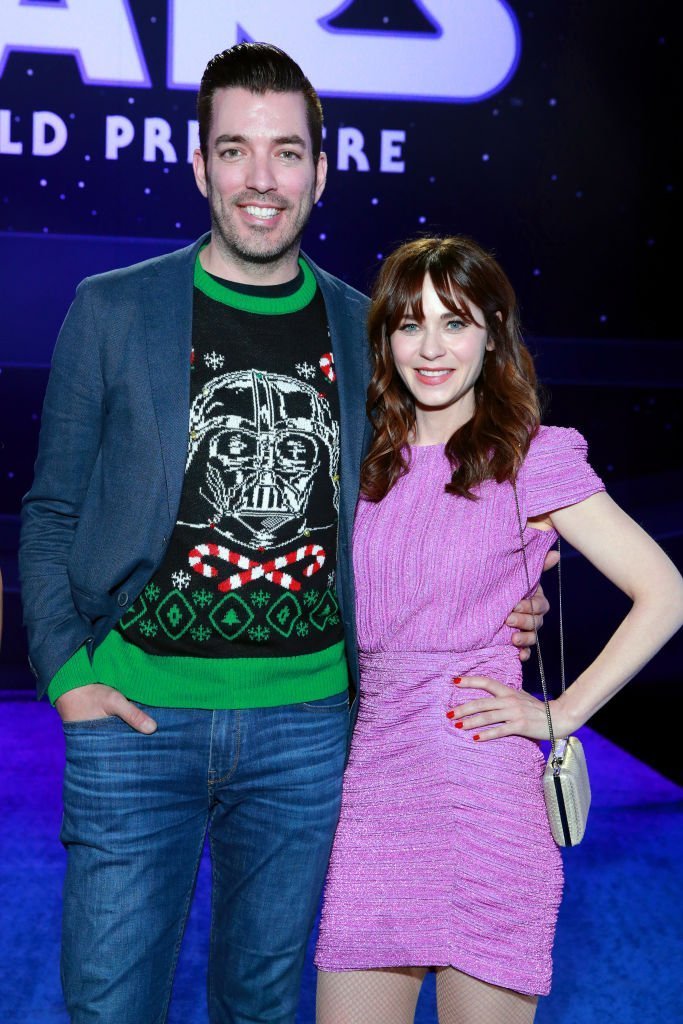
(289, 140)
(221, 139)
(280, 140)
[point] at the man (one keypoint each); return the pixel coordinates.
(186, 572)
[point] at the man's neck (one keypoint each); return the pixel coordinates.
(231, 268)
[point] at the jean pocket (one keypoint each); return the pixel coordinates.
(94, 723)
(337, 702)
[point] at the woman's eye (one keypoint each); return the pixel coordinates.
(455, 325)
(408, 328)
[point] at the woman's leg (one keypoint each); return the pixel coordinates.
(384, 996)
(462, 999)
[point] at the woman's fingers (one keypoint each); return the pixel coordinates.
(475, 707)
(478, 721)
(472, 710)
(494, 734)
(484, 683)
(507, 712)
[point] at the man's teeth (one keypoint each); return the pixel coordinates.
(264, 212)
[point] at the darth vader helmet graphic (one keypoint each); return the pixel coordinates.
(262, 442)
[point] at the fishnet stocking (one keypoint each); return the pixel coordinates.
(461, 999)
(384, 996)
(389, 996)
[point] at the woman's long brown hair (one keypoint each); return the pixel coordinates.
(491, 445)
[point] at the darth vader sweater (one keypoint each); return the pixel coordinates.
(242, 611)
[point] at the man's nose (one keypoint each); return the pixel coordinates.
(261, 174)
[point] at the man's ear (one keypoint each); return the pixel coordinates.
(320, 176)
(199, 168)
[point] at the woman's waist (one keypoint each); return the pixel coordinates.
(415, 680)
(475, 661)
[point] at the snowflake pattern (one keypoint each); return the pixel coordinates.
(305, 370)
(310, 597)
(333, 620)
(330, 580)
(214, 361)
(181, 579)
(152, 591)
(259, 633)
(149, 628)
(200, 633)
(260, 598)
(302, 629)
(202, 598)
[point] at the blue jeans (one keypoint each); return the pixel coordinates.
(267, 784)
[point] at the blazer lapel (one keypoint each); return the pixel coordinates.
(167, 303)
(346, 313)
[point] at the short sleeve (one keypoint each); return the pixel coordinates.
(557, 472)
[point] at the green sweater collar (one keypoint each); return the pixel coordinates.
(267, 306)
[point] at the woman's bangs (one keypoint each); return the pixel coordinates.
(450, 295)
(405, 298)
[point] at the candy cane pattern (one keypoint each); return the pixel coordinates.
(327, 366)
(251, 570)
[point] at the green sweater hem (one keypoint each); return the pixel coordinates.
(75, 672)
(212, 683)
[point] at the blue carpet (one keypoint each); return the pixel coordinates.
(618, 955)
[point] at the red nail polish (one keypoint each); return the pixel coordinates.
(457, 679)
(476, 736)
(458, 725)
(450, 714)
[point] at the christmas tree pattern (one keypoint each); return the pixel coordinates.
(256, 614)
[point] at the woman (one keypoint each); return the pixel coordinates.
(443, 856)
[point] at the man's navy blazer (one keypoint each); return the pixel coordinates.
(113, 447)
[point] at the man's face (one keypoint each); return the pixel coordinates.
(259, 176)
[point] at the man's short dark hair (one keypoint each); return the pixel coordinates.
(258, 67)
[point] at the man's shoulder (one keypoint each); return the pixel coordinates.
(334, 287)
(173, 263)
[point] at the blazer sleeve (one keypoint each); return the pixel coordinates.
(70, 434)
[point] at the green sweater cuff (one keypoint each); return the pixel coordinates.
(75, 672)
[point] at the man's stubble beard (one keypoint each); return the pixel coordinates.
(232, 246)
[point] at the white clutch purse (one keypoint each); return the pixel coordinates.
(567, 791)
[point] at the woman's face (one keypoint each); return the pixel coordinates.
(439, 359)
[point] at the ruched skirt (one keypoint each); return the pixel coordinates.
(443, 854)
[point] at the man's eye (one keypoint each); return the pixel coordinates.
(230, 153)
(290, 154)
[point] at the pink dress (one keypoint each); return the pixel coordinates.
(443, 854)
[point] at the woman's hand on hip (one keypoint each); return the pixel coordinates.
(507, 712)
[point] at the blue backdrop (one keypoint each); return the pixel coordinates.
(546, 131)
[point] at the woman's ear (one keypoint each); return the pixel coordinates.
(490, 343)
